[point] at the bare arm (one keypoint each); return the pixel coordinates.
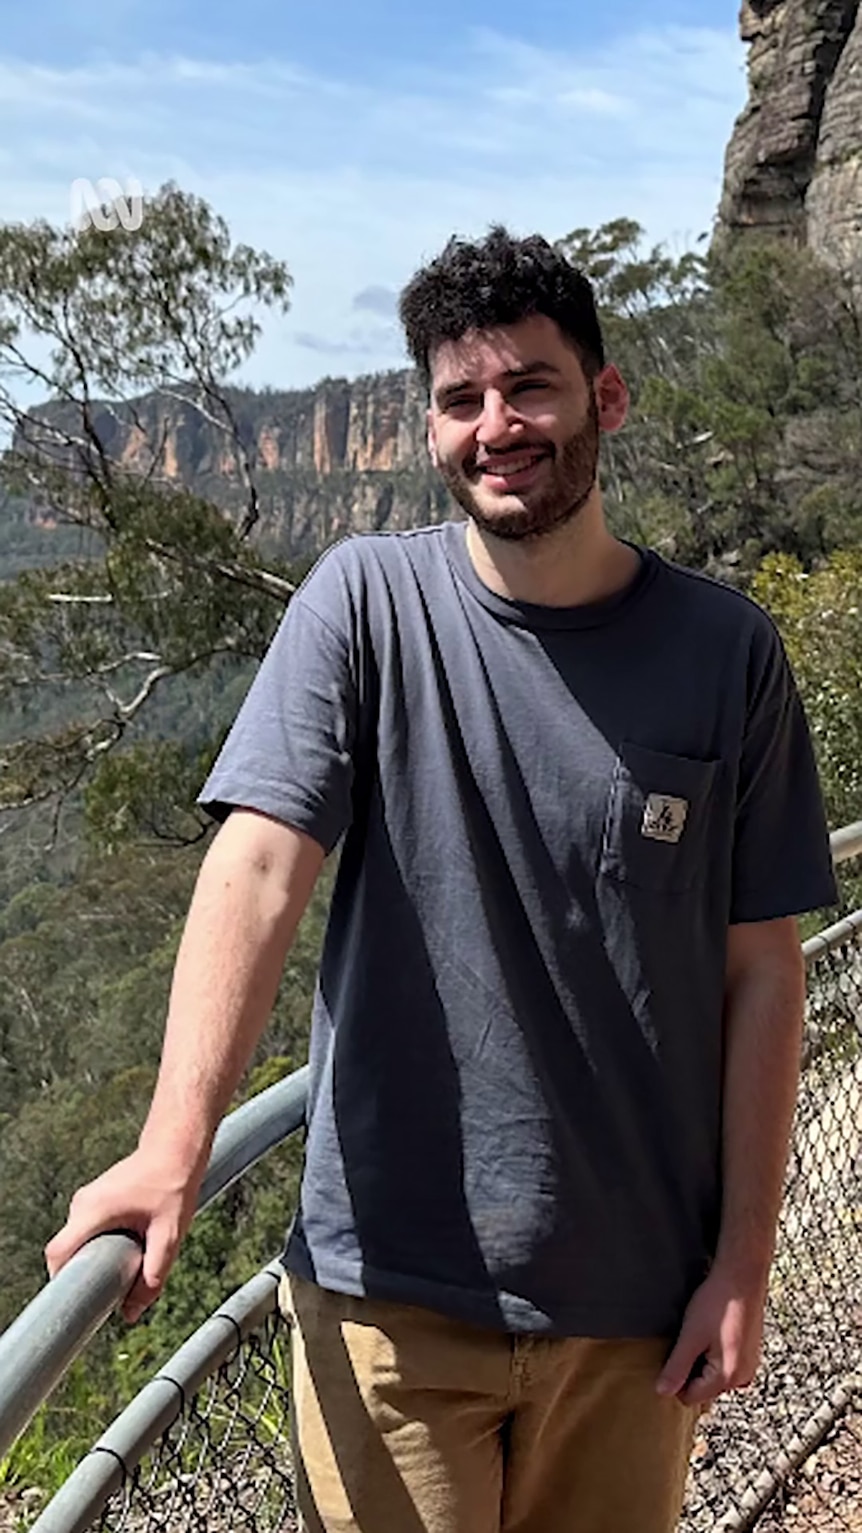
(764, 1004)
(253, 888)
(765, 997)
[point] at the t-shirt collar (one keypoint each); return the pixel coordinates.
(535, 615)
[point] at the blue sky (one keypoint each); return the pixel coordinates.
(352, 139)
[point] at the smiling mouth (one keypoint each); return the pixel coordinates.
(512, 469)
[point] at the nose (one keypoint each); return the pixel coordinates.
(498, 421)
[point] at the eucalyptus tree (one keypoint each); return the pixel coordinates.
(162, 582)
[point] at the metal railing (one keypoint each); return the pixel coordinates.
(846, 842)
(208, 1431)
(40, 1346)
(216, 1416)
(753, 1445)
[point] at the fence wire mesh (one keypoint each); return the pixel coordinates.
(224, 1463)
(769, 1439)
(784, 1455)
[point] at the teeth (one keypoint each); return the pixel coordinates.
(502, 469)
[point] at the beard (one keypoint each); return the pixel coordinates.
(569, 484)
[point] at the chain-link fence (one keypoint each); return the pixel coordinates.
(223, 1463)
(786, 1453)
(204, 1446)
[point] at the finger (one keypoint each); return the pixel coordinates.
(681, 1363)
(150, 1279)
(139, 1298)
(65, 1243)
(57, 1252)
(75, 1234)
(704, 1390)
(706, 1386)
(159, 1252)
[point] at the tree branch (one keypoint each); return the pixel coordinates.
(263, 581)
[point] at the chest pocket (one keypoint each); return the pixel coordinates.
(656, 833)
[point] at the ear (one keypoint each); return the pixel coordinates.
(431, 438)
(612, 398)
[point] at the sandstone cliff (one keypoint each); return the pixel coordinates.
(340, 457)
(794, 163)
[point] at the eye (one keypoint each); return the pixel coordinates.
(534, 384)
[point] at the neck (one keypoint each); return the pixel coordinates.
(577, 563)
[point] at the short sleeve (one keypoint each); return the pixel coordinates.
(781, 858)
(290, 751)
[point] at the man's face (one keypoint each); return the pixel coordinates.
(513, 427)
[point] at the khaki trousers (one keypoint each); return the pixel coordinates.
(408, 1422)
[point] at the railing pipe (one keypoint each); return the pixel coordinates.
(832, 937)
(254, 1129)
(47, 1336)
(39, 1347)
(846, 842)
(80, 1500)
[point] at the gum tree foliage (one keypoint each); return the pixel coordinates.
(87, 949)
(226, 1244)
(746, 374)
(115, 662)
(87, 969)
(819, 614)
(165, 584)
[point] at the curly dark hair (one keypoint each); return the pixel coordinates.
(498, 281)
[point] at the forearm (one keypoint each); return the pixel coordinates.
(242, 919)
(719, 1343)
(763, 1027)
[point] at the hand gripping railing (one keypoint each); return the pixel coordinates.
(39, 1347)
(204, 1446)
(41, 1344)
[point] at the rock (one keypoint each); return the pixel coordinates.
(341, 457)
(833, 206)
(794, 164)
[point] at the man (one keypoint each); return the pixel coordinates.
(556, 1034)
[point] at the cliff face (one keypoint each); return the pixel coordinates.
(374, 425)
(834, 201)
(337, 458)
(794, 163)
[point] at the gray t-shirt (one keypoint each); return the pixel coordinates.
(550, 817)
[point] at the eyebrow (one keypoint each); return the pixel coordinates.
(529, 369)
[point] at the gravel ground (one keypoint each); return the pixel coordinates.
(745, 1431)
(826, 1496)
(18, 1511)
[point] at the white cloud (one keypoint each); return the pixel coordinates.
(355, 186)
